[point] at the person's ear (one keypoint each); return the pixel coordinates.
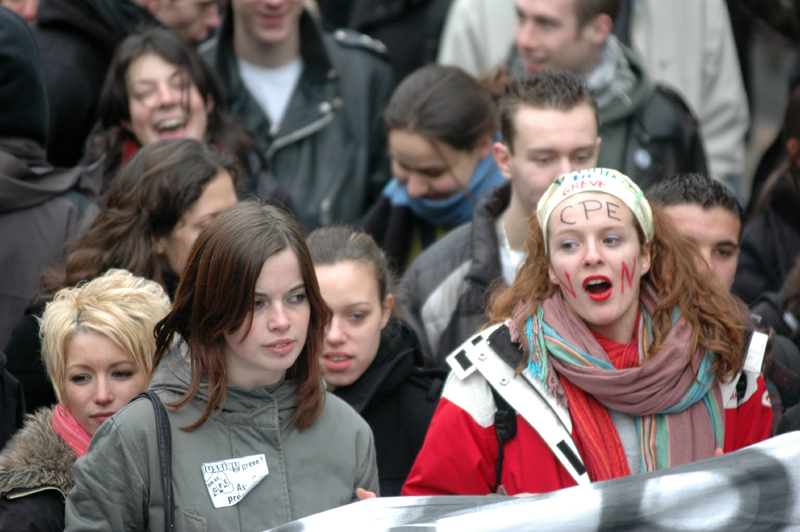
(503, 159)
(644, 258)
(793, 149)
(484, 147)
(598, 30)
(160, 245)
(386, 310)
(152, 6)
(553, 277)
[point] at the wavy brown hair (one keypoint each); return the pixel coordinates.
(216, 295)
(146, 200)
(678, 275)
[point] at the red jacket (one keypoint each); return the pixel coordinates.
(459, 455)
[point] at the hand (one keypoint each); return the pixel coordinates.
(363, 494)
(718, 452)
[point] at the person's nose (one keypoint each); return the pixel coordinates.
(168, 96)
(212, 18)
(525, 36)
(592, 254)
(103, 394)
(335, 333)
(417, 186)
(278, 321)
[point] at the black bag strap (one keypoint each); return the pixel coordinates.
(164, 437)
(505, 425)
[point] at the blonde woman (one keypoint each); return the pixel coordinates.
(98, 347)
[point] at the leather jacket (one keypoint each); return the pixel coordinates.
(330, 150)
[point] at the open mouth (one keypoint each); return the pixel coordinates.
(171, 126)
(598, 288)
(337, 362)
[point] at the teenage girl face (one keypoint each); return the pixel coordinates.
(101, 378)
(597, 260)
(218, 195)
(430, 168)
(163, 101)
(280, 316)
(354, 335)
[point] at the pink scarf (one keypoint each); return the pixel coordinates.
(67, 427)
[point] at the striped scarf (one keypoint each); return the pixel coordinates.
(679, 417)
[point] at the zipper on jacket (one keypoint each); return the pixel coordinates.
(34, 491)
(298, 134)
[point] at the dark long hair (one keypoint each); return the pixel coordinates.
(216, 295)
(109, 135)
(146, 200)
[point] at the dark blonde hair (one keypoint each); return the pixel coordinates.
(678, 275)
(216, 295)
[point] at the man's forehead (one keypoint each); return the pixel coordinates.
(579, 121)
(715, 223)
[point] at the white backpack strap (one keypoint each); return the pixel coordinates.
(550, 420)
(752, 368)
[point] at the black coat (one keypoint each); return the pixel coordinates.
(771, 242)
(398, 401)
(77, 39)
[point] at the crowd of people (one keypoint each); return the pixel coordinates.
(256, 264)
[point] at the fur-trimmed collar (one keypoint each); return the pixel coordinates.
(37, 456)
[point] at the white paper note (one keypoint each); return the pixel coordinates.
(228, 481)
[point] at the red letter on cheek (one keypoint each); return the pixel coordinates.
(628, 274)
(568, 285)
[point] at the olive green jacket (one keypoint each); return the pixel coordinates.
(118, 483)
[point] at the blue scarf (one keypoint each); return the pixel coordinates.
(455, 210)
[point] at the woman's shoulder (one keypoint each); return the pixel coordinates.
(338, 413)
(37, 456)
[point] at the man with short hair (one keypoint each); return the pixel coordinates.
(77, 40)
(707, 213)
(315, 101)
(647, 130)
(549, 125)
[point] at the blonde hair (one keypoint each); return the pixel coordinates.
(120, 306)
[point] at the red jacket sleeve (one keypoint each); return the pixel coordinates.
(750, 422)
(459, 457)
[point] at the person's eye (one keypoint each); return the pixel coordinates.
(79, 379)
(433, 172)
(123, 374)
(567, 245)
(143, 95)
(724, 253)
(358, 316)
(542, 160)
(297, 298)
(611, 240)
(258, 304)
(581, 157)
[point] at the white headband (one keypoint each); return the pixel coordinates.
(596, 180)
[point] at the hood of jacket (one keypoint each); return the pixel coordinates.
(27, 180)
(37, 456)
(784, 199)
(107, 22)
(242, 405)
(398, 353)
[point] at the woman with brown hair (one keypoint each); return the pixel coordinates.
(256, 441)
(614, 352)
(160, 87)
(151, 215)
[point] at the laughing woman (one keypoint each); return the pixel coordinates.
(256, 441)
(614, 346)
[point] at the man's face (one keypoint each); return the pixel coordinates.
(716, 233)
(267, 22)
(548, 144)
(547, 36)
(193, 20)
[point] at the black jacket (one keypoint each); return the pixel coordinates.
(444, 293)
(397, 400)
(410, 29)
(77, 39)
(771, 242)
(330, 150)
